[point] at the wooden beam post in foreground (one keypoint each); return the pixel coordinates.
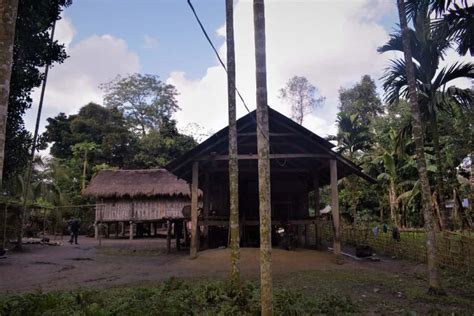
(194, 211)
(233, 152)
(335, 208)
(263, 149)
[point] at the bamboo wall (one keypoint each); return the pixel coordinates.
(454, 250)
(114, 210)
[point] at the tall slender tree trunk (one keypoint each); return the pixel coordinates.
(441, 201)
(8, 13)
(266, 287)
(392, 195)
(84, 171)
(433, 272)
(233, 151)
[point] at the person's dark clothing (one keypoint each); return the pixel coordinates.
(74, 230)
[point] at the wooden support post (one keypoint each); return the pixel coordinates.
(117, 224)
(168, 236)
(300, 235)
(263, 150)
(107, 232)
(206, 207)
(335, 208)
(317, 210)
(131, 230)
(122, 229)
(96, 230)
(233, 152)
(177, 233)
(194, 210)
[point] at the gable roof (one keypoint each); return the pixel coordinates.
(136, 183)
(301, 140)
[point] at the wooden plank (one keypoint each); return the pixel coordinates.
(270, 134)
(194, 210)
(335, 208)
(271, 156)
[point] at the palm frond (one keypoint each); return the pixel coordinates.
(455, 71)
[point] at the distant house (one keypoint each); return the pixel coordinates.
(141, 198)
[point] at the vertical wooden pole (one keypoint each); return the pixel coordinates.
(96, 230)
(206, 207)
(263, 148)
(317, 210)
(233, 151)
(5, 226)
(44, 223)
(131, 230)
(177, 233)
(194, 211)
(168, 236)
(335, 208)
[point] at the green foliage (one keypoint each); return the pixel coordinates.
(174, 297)
(157, 148)
(32, 51)
(145, 101)
(362, 100)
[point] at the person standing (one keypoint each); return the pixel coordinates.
(74, 225)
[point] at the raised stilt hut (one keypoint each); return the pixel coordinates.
(139, 202)
(301, 162)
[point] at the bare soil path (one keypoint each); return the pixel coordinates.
(121, 261)
(386, 286)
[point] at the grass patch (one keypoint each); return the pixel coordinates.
(175, 297)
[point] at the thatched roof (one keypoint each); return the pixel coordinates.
(136, 183)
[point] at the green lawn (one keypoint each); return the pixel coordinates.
(327, 292)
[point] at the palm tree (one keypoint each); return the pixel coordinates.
(352, 138)
(8, 13)
(433, 272)
(233, 152)
(428, 49)
(263, 150)
(454, 21)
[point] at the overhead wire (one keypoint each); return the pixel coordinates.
(206, 35)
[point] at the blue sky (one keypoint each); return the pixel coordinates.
(180, 44)
(331, 42)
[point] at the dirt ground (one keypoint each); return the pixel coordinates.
(120, 262)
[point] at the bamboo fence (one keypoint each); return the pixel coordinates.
(454, 249)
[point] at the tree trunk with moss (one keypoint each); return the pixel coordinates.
(8, 14)
(233, 159)
(433, 271)
(441, 200)
(266, 287)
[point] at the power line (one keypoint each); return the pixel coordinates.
(203, 29)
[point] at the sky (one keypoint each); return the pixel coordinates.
(331, 42)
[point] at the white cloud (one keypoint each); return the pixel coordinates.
(94, 60)
(332, 43)
(150, 41)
